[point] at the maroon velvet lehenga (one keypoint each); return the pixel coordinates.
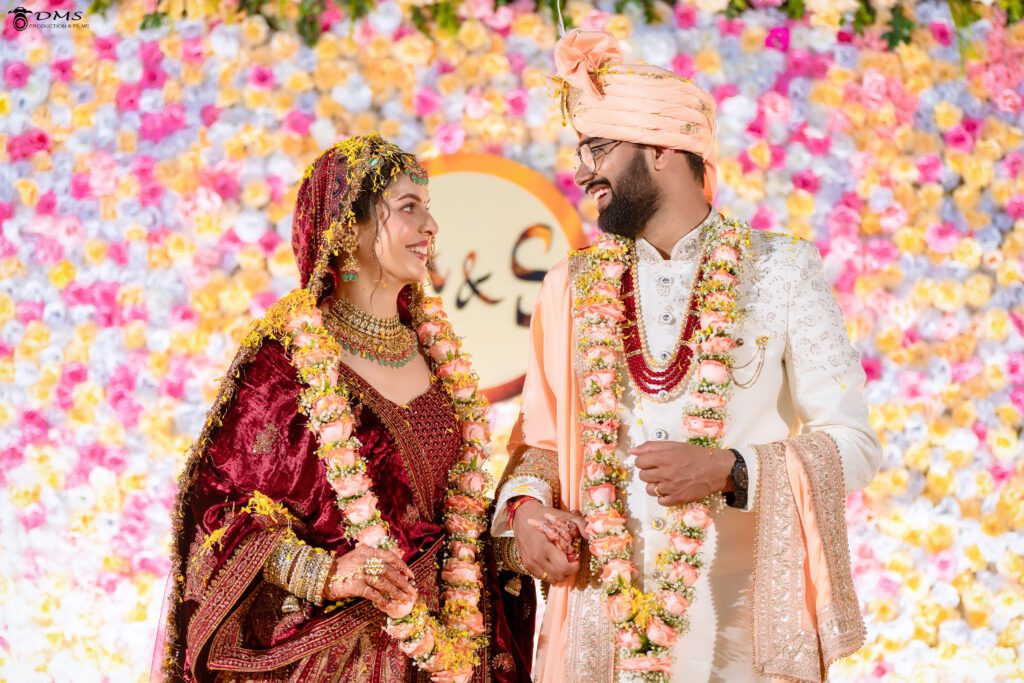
(234, 626)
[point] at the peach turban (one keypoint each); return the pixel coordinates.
(603, 98)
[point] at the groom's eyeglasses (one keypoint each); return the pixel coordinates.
(590, 154)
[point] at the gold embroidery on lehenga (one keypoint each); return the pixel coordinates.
(504, 662)
(266, 439)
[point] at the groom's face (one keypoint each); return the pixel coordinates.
(622, 186)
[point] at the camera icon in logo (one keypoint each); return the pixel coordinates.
(20, 18)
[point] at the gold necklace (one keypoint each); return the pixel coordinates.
(385, 341)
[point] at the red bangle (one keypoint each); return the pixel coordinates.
(514, 504)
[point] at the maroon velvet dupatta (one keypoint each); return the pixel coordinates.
(254, 474)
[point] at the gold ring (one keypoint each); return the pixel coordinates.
(657, 493)
(545, 577)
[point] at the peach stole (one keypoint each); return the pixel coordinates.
(805, 613)
(549, 419)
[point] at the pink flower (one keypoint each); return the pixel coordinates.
(517, 101)
(725, 253)
(297, 122)
(601, 404)
(460, 550)
(16, 74)
(716, 345)
(63, 70)
(459, 571)
(261, 77)
(602, 378)
(699, 426)
(609, 545)
(604, 522)
(457, 524)
(467, 594)
(337, 430)
(432, 328)
(433, 307)
(372, 535)
(617, 570)
(942, 33)
(595, 470)
(300, 321)
(673, 602)
(603, 333)
(608, 311)
(443, 349)
(427, 102)
(618, 608)
(453, 367)
(330, 405)
(352, 485)
(660, 633)
(341, 457)
(697, 517)
(713, 371)
(602, 494)
(593, 446)
(716, 320)
(602, 354)
(401, 631)
(399, 610)
(682, 571)
(681, 543)
(646, 663)
(605, 290)
(474, 431)
(362, 509)
(628, 639)
(127, 97)
(473, 622)
(419, 648)
(958, 139)
(472, 482)
(612, 270)
(449, 137)
(466, 505)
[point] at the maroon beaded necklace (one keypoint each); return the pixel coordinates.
(655, 381)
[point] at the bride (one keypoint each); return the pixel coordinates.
(337, 489)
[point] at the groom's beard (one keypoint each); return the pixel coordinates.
(634, 200)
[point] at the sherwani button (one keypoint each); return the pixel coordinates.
(664, 356)
(666, 318)
(659, 435)
(658, 523)
(665, 280)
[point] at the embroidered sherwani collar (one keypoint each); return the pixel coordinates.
(686, 249)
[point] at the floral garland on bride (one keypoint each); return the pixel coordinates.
(648, 624)
(444, 646)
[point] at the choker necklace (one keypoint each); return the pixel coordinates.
(382, 340)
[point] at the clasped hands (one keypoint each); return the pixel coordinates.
(377, 575)
(675, 473)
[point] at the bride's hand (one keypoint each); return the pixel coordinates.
(376, 575)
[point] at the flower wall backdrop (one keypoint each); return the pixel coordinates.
(147, 180)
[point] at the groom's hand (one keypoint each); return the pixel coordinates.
(541, 555)
(677, 473)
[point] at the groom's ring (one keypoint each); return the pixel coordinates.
(657, 493)
(544, 578)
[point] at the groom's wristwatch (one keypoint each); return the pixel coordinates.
(737, 498)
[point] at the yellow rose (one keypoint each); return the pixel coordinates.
(254, 29)
(472, 35)
(1004, 443)
(947, 115)
(708, 61)
(619, 26)
(62, 274)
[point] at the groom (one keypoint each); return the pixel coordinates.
(680, 360)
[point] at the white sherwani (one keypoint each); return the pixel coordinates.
(802, 376)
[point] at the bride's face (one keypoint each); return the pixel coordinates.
(395, 251)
